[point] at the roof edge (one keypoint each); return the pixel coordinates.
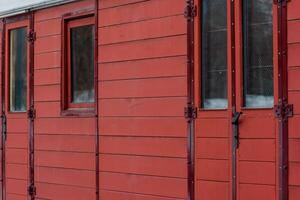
(36, 6)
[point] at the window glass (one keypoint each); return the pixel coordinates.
(18, 70)
(82, 64)
(214, 54)
(258, 53)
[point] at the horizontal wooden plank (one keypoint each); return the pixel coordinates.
(17, 171)
(142, 49)
(22, 125)
(74, 143)
(294, 97)
(153, 166)
(104, 4)
(53, 93)
(19, 156)
(158, 67)
(257, 192)
(257, 172)
(48, 27)
(46, 77)
(143, 126)
(73, 126)
(144, 146)
(159, 27)
(48, 109)
(294, 193)
(16, 140)
(294, 173)
(115, 195)
(294, 127)
(160, 186)
(257, 149)
(47, 60)
(71, 160)
(294, 31)
(213, 148)
(15, 186)
(294, 149)
(293, 81)
(258, 127)
(293, 55)
(54, 191)
(16, 196)
(293, 10)
(208, 128)
(48, 44)
(214, 170)
(132, 12)
(157, 87)
(143, 107)
(210, 190)
(71, 177)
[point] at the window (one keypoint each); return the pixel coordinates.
(258, 53)
(18, 70)
(214, 54)
(79, 77)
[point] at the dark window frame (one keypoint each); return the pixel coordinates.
(244, 61)
(13, 25)
(68, 108)
(200, 73)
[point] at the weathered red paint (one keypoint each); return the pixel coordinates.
(135, 144)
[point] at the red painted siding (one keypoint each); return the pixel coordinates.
(294, 92)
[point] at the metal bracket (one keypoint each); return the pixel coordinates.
(190, 112)
(32, 190)
(190, 11)
(31, 113)
(283, 111)
(281, 2)
(31, 37)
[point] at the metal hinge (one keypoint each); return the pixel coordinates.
(31, 113)
(190, 11)
(190, 112)
(281, 2)
(31, 36)
(283, 111)
(32, 190)
(4, 127)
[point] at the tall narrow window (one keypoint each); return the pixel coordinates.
(214, 54)
(18, 69)
(258, 53)
(80, 63)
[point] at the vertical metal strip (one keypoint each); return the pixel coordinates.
(97, 164)
(283, 99)
(233, 99)
(190, 100)
(31, 188)
(3, 178)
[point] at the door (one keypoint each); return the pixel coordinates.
(236, 129)
(16, 84)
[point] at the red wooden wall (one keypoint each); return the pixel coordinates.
(64, 146)
(142, 93)
(294, 96)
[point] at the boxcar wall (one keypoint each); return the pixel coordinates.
(116, 129)
(140, 152)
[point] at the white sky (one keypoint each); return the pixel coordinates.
(12, 4)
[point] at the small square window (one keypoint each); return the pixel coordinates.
(79, 83)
